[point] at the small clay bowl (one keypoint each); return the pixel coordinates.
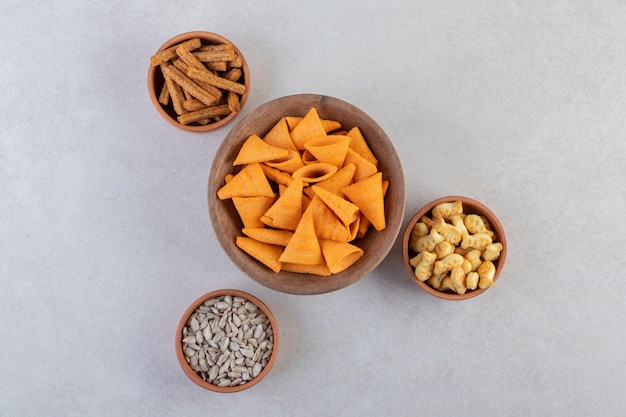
(470, 206)
(195, 377)
(155, 83)
(227, 224)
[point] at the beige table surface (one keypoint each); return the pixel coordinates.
(105, 237)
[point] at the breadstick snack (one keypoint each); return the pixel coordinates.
(310, 213)
(198, 81)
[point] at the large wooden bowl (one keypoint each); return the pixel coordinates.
(226, 222)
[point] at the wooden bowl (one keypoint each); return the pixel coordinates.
(193, 375)
(226, 222)
(470, 206)
(155, 83)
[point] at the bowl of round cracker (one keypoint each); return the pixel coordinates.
(454, 248)
(198, 81)
(306, 194)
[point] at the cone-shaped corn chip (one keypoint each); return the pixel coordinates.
(364, 168)
(267, 235)
(278, 176)
(343, 209)
(251, 209)
(364, 221)
(334, 184)
(279, 136)
(308, 158)
(249, 182)
(290, 163)
(368, 196)
(319, 269)
(265, 253)
(286, 212)
(303, 247)
(309, 127)
(329, 125)
(254, 149)
(329, 149)
(327, 224)
(339, 255)
(359, 145)
(315, 172)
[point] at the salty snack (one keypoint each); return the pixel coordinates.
(454, 251)
(202, 83)
(306, 192)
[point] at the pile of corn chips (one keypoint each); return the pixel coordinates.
(202, 82)
(304, 192)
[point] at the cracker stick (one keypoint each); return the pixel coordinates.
(215, 56)
(217, 66)
(217, 47)
(180, 64)
(189, 85)
(176, 92)
(211, 111)
(236, 63)
(169, 53)
(164, 96)
(193, 104)
(233, 102)
(233, 74)
(219, 82)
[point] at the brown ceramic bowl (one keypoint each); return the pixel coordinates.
(470, 206)
(226, 222)
(155, 83)
(197, 378)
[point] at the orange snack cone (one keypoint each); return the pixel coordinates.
(329, 149)
(289, 163)
(334, 184)
(254, 149)
(315, 172)
(327, 224)
(276, 175)
(286, 212)
(329, 125)
(368, 196)
(250, 209)
(265, 253)
(279, 136)
(359, 145)
(309, 127)
(364, 168)
(303, 247)
(343, 209)
(267, 235)
(318, 269)
(340, 255)
(249, 182)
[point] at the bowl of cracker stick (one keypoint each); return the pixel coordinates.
(454, 248)
(198, 81)
(306, 194)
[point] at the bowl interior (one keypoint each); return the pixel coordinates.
(156, 81)
(225, 219)
(469, 206)
(191, 374)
